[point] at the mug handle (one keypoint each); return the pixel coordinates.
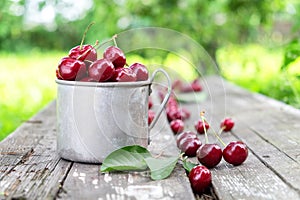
(166, 98)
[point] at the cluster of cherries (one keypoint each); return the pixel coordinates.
(82, 64)
(209, 155)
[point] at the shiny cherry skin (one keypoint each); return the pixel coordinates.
(115, 55)
(235, 153)
(209, 155)
(141, 71)
(71, 69)
(190, 146)
(101, 70)
(200, 127)
(58, 75)
(183, 135)
(123, 75)
(84, 52)
(151, 115)
(200, 179)
(227, 124)
(87, 79)
(177, 126)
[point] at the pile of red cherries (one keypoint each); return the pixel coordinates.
(208, 154)
(82, 64)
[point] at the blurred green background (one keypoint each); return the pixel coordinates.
(254, 43)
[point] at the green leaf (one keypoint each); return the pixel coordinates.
(161, 168)
(125, 159)
(187, 165)
(196, 97)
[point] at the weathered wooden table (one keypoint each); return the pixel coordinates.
(31, 169)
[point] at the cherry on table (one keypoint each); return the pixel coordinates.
(200, 179)
(71, 69)
(183, 135)
(150, 102)
(199, 126)
(190, 146)
(209, 155)
(115, 55)
(227, 124)
(195, 86)
(140, 70)
(123, 75)
(101, 70)
(235, 152)
(83, 52)
(177, 126)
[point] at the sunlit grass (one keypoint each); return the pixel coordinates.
(259, 69)
(27, 84)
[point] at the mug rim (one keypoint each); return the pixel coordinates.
(103, 84)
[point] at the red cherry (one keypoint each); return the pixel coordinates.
(200, 127)
(227, 123)
(88, 79)
(235, 153)
(200, 179)
(151, 115)
(185, 113)
(185, 135)
(101, 70)
(123, 75)
(177, 126)
(58, 75)
(84, 52)
(115, 55)
(140, 70)
(71, 69)
(209, 155)
(190, 146)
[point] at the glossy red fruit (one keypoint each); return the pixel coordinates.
(200, 179)
(58, 75)
(190, 146)
(183, 135)
(87, 79)
(209, 155)
(227, 123)
(151, 115)
(115, 55)
(140, 70)
(235, 153)
(101, 70)
(71, 69)
(186, 114)
(199, 126)
(84, 52)
(177, 126)
(123, 75)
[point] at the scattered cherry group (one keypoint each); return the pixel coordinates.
(82, 64)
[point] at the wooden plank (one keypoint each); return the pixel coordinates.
(30, 167)
(270, 171)
(86, 182)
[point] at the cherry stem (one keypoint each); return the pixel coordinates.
(114, 39)
(85, 32)
(103, 43)
(203, 122)
(221, 130)
(218, 136)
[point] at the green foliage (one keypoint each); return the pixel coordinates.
(27, 85)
